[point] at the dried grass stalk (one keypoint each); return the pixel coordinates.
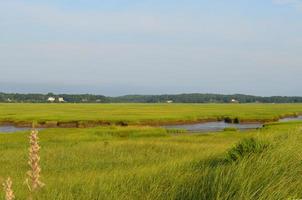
(33, 180)
(8, 189)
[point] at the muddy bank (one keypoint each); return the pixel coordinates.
(58, 124)
(199, 121)
(88, 124)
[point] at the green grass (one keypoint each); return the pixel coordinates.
(150, 163)
(144, 113)
(142, 162)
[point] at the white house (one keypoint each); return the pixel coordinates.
(169, 101)
(51, 99)
(234, 101)
(61, 99)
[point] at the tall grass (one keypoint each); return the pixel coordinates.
(103, 163)
(247, 147)
(271, 174)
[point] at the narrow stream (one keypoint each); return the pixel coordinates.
(12, 129)
(219, 126)
(199, 127)
(288, 119)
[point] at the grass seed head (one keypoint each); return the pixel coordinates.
(8, 189)
(33, 180)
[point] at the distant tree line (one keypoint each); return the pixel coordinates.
(179, 98)
(204, 98)
(42, 98)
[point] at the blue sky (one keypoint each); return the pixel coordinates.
(151, 47)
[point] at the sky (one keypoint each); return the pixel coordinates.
(117, 47)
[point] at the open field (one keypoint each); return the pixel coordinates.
(143, 162)
(135, 114)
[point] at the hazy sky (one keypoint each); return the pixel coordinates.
(116, 47)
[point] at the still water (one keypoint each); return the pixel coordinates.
(218, 126)
(200, 127)
(11, 129)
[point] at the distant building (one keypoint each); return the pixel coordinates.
(51, 99)
(169, 101)
(234, 101)
(9, 100)
(61, 99)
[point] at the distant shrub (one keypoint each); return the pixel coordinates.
(228, 120)
(236, 120)
(230, 129)
(246, 147)
(231, 121)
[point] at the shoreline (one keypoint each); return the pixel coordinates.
(96, 123)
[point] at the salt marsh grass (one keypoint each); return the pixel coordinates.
(150, 163)
(146, 114)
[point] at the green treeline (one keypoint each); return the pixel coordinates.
(178, 98)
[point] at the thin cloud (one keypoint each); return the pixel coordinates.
(296, 3)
